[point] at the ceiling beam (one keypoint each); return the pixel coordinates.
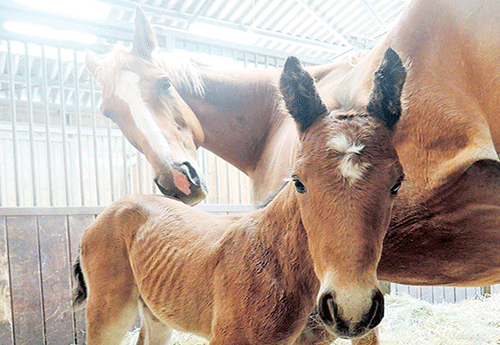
(334, 32)
(374, 14)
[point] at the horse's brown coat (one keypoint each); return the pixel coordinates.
(255, 278)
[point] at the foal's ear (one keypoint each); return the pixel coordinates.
(92, 61)
(144, 37)
(385, 100)
(300, 95)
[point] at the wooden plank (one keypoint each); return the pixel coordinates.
(25, 268)
(6, 330)
(77, 225)
(54, 250)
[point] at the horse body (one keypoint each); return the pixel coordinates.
(245, 123)
(256, 278)
(445, 227)
(206, 274)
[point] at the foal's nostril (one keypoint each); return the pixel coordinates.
(376, 312)
(191, 173)
(327, 309)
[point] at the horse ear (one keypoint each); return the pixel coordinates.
(300, 95)
(92, 61)
(144, 37)
(385, 100)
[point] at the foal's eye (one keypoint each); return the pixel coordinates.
(299, 185)
(163, 85)
(394, 190)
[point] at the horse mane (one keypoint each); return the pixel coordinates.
(184, 71)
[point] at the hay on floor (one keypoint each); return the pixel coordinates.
(409, 321)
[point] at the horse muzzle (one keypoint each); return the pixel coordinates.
(184, 182)
(342, 324)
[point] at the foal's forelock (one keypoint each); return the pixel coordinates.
(349, 151)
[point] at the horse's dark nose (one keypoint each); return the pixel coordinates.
(327, 309)
(191, 173)
(329, 313)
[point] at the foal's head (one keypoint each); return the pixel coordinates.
(139, 97)
(346, 177)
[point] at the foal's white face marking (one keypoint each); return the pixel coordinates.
(127, 89)
(349, 167)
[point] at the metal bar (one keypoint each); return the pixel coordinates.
(139, 172)
(110, 154)
(374, 14)
(79, 124)
(63, 126)
(9, 270)
(205, 168)
(125, 169)
(79, 210)
(31, 123)
(217, 179)
(40, 274)
(45, 94)
(334, 32)
(12, 97)
(228, 182)
(94, 140)
(198, 13)
(240, 187)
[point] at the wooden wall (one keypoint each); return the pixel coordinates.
(36, 254)
(37, 247)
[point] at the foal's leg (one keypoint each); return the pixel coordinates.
(107, 323)
(153, 331)
(112, 293)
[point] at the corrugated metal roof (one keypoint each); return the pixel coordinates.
(322, 30)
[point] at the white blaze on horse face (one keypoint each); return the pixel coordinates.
(349, 168)
(127, 89)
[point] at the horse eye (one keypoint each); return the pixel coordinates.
(299, 185)
(163, 85)
(394, 190)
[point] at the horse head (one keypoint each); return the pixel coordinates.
(139, 97)
(346, 177)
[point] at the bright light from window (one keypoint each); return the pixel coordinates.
(80, 8)
(221, 33)
(46, 32)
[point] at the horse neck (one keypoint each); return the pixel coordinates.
(280, 227)
(237, 111)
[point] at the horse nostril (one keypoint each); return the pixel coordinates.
(327, 309)
(191, 173)
(376, 312)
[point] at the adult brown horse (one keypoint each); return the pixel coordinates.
(237, 115)
(445, 228)
(255, 278)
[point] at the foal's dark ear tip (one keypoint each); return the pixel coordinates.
(291, 63)
(392, 58)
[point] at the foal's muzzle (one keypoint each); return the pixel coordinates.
(342, 327)
(183, 183)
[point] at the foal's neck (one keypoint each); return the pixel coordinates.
(280, 226)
